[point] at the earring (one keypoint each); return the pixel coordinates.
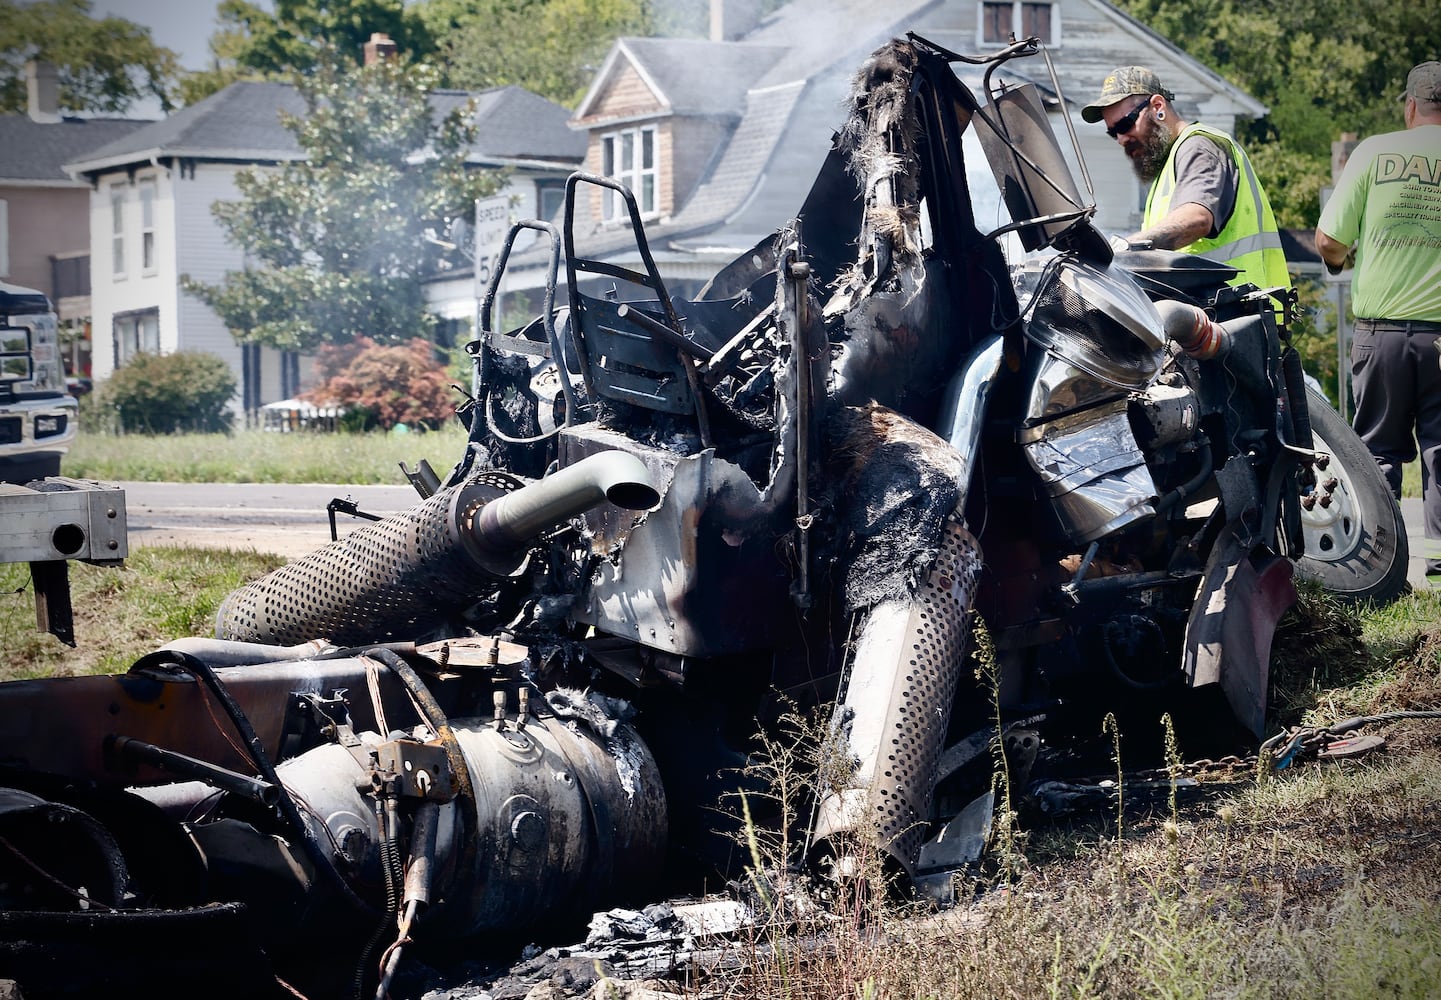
(1160, 116)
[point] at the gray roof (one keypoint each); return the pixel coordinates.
(242, 123)
(789, 112)
(698, 77)
(514, 124)
(787, 115)
(37, 151)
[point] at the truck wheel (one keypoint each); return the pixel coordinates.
(1355, 546)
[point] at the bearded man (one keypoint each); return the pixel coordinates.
(1205, 197)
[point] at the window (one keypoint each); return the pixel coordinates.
(549, 197)
(4, 237)
(135, 333)
(999, 21)
(147, 225)
(630, 158)
(117, 231)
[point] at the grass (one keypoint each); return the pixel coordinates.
(121, 613)
(1323, 879)
(1320, 880)
(253, 456)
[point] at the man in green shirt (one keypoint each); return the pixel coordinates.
(1205, 197)
(1385, 217)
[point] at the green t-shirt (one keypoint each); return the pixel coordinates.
(1388, 202)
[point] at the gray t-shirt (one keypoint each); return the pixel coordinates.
(1206, 175)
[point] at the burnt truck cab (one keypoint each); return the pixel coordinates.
(38, 416)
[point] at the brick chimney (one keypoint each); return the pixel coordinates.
(42, 84)
(730, 19)
(379, 47)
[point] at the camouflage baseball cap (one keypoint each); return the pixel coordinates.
(1123, 82)
(1424, 82)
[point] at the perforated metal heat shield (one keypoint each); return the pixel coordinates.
(389, 580)
(897, 707)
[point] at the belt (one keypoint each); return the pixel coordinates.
(1398, 326)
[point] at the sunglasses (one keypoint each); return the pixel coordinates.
(1124, 125)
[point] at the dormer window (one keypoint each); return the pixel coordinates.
(1021, 18)
(629, 157)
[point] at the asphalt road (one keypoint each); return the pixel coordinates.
(291, 520)
(287, 519)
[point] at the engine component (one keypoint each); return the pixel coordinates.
(401, 577)
(562, 818)
(1099, 320)
(1093, 470)
(1165, 415)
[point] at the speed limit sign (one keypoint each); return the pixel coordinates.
(492, 222)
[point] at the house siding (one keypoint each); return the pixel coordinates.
(628, 96)
(43, 221)
(135, 290)
(202, 252)
(688, 148)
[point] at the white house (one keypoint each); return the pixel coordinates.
(151, 222)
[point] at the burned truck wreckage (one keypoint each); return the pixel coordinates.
(870, 454)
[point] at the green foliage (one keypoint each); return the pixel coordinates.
(298, 36)
(550, 47)
(336, 241)
(121, 612)
(167, 393)
(392, 384)
(1313, 333)
(1322, 67)
(105, 64)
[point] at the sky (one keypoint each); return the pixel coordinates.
(183, 26)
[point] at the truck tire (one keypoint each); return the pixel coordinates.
(1356, 546)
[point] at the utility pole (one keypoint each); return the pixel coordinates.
(1339, 285)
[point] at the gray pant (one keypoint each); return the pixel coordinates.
(1396, 378)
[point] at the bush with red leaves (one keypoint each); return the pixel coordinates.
(389, 383)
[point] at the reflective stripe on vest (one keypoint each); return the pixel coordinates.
(1250, 242)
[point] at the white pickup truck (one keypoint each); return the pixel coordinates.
(37, 416)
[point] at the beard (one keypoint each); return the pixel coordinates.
(1148, 155)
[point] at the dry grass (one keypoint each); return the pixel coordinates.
(1320, 880)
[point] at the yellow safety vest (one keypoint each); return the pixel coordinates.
(1250, 241)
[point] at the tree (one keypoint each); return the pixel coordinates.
(1322, 67)
(335, 243)
(253, 43)
(389, 384)
(550, 47)
(105, 65)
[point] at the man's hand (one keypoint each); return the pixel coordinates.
(1179, 228)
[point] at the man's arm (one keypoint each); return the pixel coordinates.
(1336, 254)
(1180, 227)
